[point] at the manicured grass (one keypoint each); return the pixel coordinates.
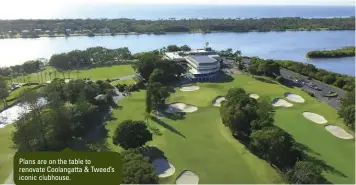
(6, 153)
(218, 158)
(199, 143)
(128, 81)
(99, 73)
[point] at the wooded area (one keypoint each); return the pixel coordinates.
(336, 53)
(33, 28)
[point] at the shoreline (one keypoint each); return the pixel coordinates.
(167, 33)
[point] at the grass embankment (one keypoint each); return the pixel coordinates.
(13, 95)
(201, 143)
(337, 53)
(99, 73)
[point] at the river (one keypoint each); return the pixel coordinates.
(289, 45)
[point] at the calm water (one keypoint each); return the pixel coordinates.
(275, 45)
(176, 11)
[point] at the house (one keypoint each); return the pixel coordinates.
(203, 64)
(68, 31)
(37, 30)
(105, 30)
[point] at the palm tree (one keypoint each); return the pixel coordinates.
(41, 76)
(39, 79)
(11, 76)
(45, 76)
(50, 75)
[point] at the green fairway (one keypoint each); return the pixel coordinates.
(128, 81)
(99, 73)
(210, 151)
(6, 153)
(199, 143)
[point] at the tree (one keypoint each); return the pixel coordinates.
(238, 60)
(50, 75)
(136, 169)
(347, 110)
(145, 65)
(275, 145)
(148, 100)
(131, 134)
(4, 92)
(173, 48)
(32, 99)
(159, 93)
(185, 48)
(238, 111)
(304, 173)
(265, 115)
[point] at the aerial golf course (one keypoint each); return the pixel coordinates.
(199, 142)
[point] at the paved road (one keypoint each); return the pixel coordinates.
(318, 94)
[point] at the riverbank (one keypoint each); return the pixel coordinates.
(18, 36)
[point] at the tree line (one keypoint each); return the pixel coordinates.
(344, 82)
(181, 25)
(347, 110)
(336, 53)
(91, 57)
(252, 123)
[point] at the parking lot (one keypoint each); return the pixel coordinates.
(319, 89)
(323, 88)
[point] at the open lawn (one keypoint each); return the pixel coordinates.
(200, 143)
(98, 73)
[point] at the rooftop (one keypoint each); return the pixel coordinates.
(201, 59)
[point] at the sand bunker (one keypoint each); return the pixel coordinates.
(316, 118)
(190, 88)
(338, 132)
(163, 168)
(277, 102)
(181, 107)
(254, 96)
(187, 177)
(294, 97)
(217, 101)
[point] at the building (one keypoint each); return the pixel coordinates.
(105, 30)
(203, 64)
(68, 31)
(37, 30)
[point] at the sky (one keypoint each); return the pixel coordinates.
(32, 3)
(14, 9)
